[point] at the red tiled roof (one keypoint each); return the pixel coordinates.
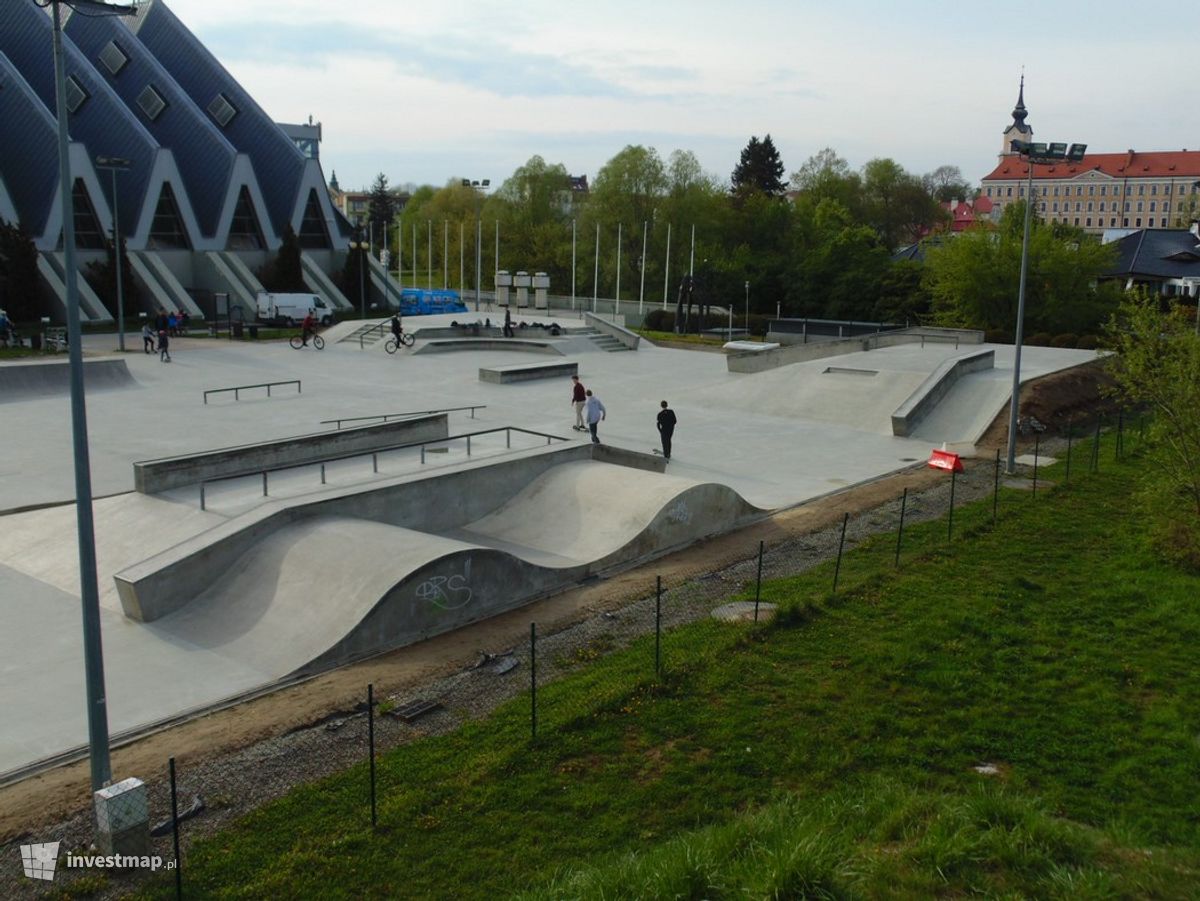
(1131, 164)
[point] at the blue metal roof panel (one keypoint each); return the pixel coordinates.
(278, 163)
(28, 167)
(102, 122)
(205, 158)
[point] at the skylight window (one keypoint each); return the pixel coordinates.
(151, 102)
(113, 57)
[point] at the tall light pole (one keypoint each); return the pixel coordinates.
(115, 164)
(362, 248)
(1033, 153)
(747, 309)
(93, 652)
(478, 187)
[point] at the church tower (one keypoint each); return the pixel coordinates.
(1018, 131)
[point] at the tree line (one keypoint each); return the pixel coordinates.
(818, 244)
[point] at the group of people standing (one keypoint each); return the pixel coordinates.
(590, 412)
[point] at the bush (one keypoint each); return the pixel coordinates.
(1087, 342)
(659, 321)
(1039, 339)
(1067, 339)
(997, 336)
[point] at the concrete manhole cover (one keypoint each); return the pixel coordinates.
(743, 612)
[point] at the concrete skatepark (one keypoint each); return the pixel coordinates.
(366, 552)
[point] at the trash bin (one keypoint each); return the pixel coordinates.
(35, 341)
(212, 331)
(254, 332)
(237, 330)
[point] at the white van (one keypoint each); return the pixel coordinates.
(291, 309)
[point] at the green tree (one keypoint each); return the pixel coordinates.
(974, 279)
(381, 208)
(896, 204)
(20, 290)
(837, 263)
(285, 272)
(759, 168)
(826, 176)
(102, 276)
(1157, 365)
(947, 183)
(628, 189)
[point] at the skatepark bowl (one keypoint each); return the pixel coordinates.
(251, 541)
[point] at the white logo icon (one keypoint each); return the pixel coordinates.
(39, 860)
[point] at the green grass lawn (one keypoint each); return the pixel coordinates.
(829, 754)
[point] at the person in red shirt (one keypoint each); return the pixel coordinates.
(578, 399)
(307, 328)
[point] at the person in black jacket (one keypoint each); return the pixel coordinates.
(666, 428)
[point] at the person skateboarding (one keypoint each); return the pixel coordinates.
(578, 401)
(666, 429)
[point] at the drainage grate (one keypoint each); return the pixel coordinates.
(414, 709)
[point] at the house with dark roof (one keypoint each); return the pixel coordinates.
(1166, 260)
(212, 181)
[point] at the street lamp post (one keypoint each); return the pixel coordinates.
(362, 248)
(93, 654)
(115, 164)
(747, 309)
(1033, 153)
(478, 186)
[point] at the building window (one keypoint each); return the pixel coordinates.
(1127, 206)
(166, 228)
(1076, 220)
(1125, 222)
(1166, 206)
(1150, 222)
(1042, 207)
(1008, 193)
(313, 233)
(1167, 188)
(1138, 222)
(151, 102)
(1054, 207)
(989, 192)
(222, 110)
(1078, 207)
(1101, 207)
(1020, 190)
(1103, 189)
(1089, 206)
(244, 231)
(1141, 190)
(1089, 221)
(88, 233)
(1154, 190)
(1153, 204)
(76, 95)
(1079, 193)
(113, 58)
(1044, 189)
(1091, 190)
(1139, 206)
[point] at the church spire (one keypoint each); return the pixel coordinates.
(1019, 112)
(1018, 130)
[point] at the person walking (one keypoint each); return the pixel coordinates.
(164, 344)
(508, 326)
(147, 338)
(595, 415)
(578, 401)
(666, 428)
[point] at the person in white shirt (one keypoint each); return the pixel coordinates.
(595, 415)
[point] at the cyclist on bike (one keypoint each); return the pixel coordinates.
(307, 328)
(397, 330)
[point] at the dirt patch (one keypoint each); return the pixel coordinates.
(1071, 398)
(55, 795)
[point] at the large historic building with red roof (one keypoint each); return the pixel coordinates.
(1132, 189)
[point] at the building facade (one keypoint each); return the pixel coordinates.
(1128, 190)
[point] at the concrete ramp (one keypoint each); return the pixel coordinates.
(20, 381)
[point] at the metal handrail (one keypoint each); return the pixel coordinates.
(386, 416)
(266, 385)
(379, 327)
(507, 429)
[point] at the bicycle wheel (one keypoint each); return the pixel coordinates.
(318, 342)
(296, 341)
(407, 339)
(391, 345)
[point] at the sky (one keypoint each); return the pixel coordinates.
(429, 92)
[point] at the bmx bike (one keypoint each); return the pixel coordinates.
(393, 343)
(297, 341)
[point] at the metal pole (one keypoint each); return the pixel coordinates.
(667, 267)
(1016, 386)
(1067, 474)
(1037, 441)
(429, 253)
(950, 521)
(371, 747)
(692, 258)
(175, 829)
(747, 309)
(596, 273)
(617, 294)
(462, 285)
(117, 259)
(478, 247)
(400, 257)
(93, 656)
(533, 681)
(900, 532)
(445, 254)
(837, 569)
(996, 487)
(496, 268)
(642, 288)
(657, 624)
(572, 265)
(414, 249)
(758, 580)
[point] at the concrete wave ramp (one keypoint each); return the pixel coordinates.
(322, 589)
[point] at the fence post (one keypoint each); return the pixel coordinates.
(1120, 434)
(1096, 448)
(371, 746)
(837, 569)
(950, 520)
(1070, 433)
(264, 483)
(657, 624)
(533, 681)
(375, 463)
(900, 532)
(996, 488)
(322, 473)
(758, 581)
(468, 445)
(1036, 447)
(422, 454)
(202, 506)
(175, 830)
(508, 438)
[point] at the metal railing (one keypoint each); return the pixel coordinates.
(386, 416)
(374, 455)
(239, 388)
(375, 328)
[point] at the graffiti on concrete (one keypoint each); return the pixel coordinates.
(448, 592)
(679, 513)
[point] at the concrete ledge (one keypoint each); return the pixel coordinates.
(524, 372)
(451, 344)
(605, 327)
(24, 379)
(935, 387)
(750, 347)
(817, 350)
(152, 476)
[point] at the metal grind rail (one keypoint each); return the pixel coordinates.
(239, 388)
(387, 416)
(374, 455)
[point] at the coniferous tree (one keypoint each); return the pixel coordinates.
(20, 291)
(381, 209)
(760, 168)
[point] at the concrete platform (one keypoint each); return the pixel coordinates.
(524, 372)
(770, 439)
